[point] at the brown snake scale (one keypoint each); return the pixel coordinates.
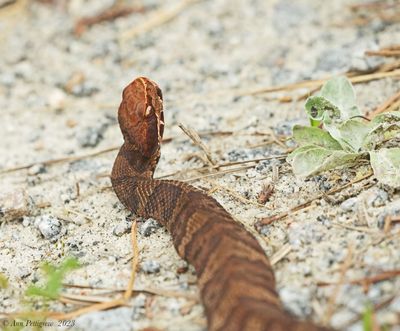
(235, 278)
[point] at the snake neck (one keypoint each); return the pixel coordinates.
(130, 162)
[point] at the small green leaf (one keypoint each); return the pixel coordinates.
(299, 150)
(318, 109)
(340, 93)
(306, 160)
(385, 131)
(386, 165)
(389, 117)
(304, 135)
(367, 319)
(3, 281)
(55, 276)
(353, 133)
(311, 160)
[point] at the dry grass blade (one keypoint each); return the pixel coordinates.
(355, 228)
(157, 19)
(92, 308)
(217, 173)
(281, 253)
(194, 136)
(83, 298)
(108, 14)
(233, 193)
(394, 106)
(367, 280)
(317, 83)
(135, 261)
(149, 290)
(385, 106)
(13, 8)
(222, 165)
(384, 53)
(60, 160)
(268, 220)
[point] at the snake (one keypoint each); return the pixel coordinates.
(234, 275)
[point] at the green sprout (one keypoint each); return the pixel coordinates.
(55, 276)
(3, 281)
(339, 136)
(50, 290)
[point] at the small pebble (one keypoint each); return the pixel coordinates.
(56, 99)
(148, 227)
(150, 266)
(349, 204)
(26, 221)
(49, 226)
(36, 169)
(295, 300)
(376, 197)
(340, 318)
(91, 136)
(23, 272)
(121, 228)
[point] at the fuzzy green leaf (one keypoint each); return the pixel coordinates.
(385, 131)
(389, 117)
(311, 160)
(353, 133)
(386, 165)
(340, 93)
(304, 135)
(319, 109)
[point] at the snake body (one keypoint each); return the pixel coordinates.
(235, 278)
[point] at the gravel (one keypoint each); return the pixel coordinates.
(150, 266)
(49, 226)
(148, 227)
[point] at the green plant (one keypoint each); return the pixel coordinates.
(3, 281)
(50, 290)
(55, 276)
(339, 136)
(367, 318)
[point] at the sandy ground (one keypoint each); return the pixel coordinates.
(59, 94)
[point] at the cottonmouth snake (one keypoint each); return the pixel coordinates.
(235, 278)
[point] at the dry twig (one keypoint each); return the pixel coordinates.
(194, 136)
(60, 160)
(317, 83)
(233, 193)
(281, 253)
(268, 220)
(367, 281)
(158, 18)
(385, 106)
(108, 14)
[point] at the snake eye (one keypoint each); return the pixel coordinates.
(147, 113)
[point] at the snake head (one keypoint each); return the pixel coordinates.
(141, 115)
